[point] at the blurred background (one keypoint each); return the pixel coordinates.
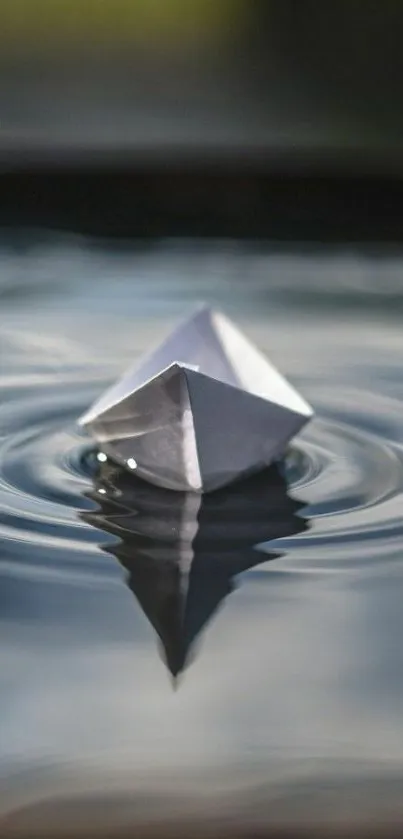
(211, 116)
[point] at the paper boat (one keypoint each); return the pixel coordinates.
(202, 410)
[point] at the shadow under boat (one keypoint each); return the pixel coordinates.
(183, 551)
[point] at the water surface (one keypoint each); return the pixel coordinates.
(285, 692)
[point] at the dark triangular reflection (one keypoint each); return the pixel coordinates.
(183, 551)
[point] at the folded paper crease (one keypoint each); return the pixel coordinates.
(220, 413)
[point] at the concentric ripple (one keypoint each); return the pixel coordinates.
(46, 465)
(349, 478)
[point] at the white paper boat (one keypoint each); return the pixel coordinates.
(202, 410)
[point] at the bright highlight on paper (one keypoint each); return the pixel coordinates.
(202, 410)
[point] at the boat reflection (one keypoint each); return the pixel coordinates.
(183, 552)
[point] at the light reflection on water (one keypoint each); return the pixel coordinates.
(299, 674)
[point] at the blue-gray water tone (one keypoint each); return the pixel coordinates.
(290, 703)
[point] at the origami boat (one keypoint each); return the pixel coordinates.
(202, 410)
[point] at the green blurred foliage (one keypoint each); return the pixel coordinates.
(34, 25)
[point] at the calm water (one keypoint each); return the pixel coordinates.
(272, 687)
